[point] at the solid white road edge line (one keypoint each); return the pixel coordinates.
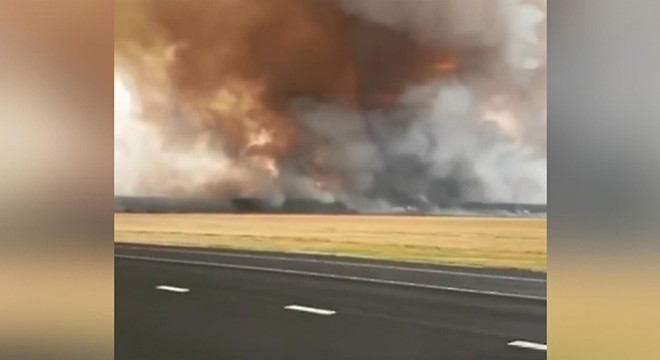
(344, 263)
(332, 276)
(310, 310)
(172, 289)
(528, 345)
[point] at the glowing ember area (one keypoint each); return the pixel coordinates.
(371, 103)
(449, 65)
(259, 138)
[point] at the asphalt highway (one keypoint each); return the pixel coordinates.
(182, 303)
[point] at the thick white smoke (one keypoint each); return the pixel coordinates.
(146, 165)
(478, 138)
(141, 156)
(435, 149)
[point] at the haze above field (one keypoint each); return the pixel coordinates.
(311, 206)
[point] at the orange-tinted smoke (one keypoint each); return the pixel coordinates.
(296, 47)
(239, 63)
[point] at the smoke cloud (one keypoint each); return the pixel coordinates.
(375, 103)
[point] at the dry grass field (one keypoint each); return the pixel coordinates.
(493, 242)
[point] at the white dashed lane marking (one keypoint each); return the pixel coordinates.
(528, 345)
(310, 310)
(172, 289)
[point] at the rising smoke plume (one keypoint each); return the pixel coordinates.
(375, 103)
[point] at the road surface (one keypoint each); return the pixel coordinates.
(183, 303)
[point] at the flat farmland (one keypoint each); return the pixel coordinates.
(470, 241)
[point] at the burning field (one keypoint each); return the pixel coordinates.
(494, 242)
(381, 106)
(372, 103)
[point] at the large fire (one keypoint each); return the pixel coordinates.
(310, 91)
